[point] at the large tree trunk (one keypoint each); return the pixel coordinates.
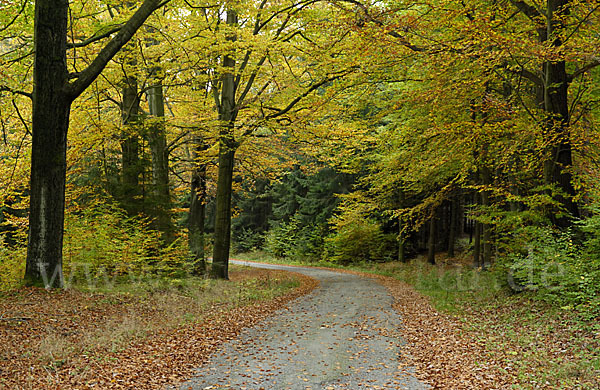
(157, 137)
(220, 266)
(198, 209)
(431, 240)
(130, 148)
(556, 106)
(50, 123)
(227, 148)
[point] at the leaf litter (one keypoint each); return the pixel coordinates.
(69, 339)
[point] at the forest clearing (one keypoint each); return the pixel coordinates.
(445, 150)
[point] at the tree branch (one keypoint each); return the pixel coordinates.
(96, 37)
(584, 69)
(14, 19)
(529, 75)
(251, 81)
(5, 88)
(403, 41)
(312, 88)
(89, 74)
(530, 11)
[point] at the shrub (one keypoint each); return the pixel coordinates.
(12, 265)
(295, 241)
(358, 238)
(280, 238)
(101, 243)
(247, 240)
(561, 272)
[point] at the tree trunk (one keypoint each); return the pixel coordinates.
(157, 138)
(198, 210)
(431, 240)
(556, 106)
(401, 243)
(486, 178)
(401, 238)
(453, 225)
(223, 211)
(130, 161)
(227, 148)
(476, 237)
(477, 244)
(50, 123)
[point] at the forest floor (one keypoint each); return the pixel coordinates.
(141, 336)
(465, 332)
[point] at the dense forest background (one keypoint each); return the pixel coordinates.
(337, 131)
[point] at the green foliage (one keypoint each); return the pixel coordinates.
(280, 239)
(289, 217)
(358, 238)
(295, 241)
(561, 272)
(102, 244)
(12, 265)
(247, 240)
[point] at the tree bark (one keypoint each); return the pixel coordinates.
(556, 105)
(453, 225)
(476, 237)
(197, 210)
(227, 148)
(552, 98)
(220, 266)
(401, 237)
(477, 244)
(157, 137)
(486, 178)
(401, 246)
(130, 161)
(431, 240)
(50, 122)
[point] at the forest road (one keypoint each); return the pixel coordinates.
(343, 335)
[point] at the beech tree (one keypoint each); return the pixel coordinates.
(54, 89)
(552, 81)
(241, 83)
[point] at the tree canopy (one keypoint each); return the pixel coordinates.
(342, 130)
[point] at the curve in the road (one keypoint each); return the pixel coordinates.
(341, 336)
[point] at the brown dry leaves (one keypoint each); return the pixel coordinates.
(477, 353)
(54, 339)
(442, 355)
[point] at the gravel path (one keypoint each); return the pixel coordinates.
(341, 336)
